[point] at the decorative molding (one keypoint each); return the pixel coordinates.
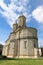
(25, 38)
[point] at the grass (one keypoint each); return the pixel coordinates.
(8, 61)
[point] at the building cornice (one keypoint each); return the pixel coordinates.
(32, 37)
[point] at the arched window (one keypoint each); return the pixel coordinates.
(25, 46)
(34, 45)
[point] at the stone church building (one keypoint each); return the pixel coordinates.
(22, 42)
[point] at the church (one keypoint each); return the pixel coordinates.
(22, 41)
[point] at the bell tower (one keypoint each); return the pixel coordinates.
(22, 21)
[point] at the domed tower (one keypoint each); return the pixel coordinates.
(15, 25)
(22, 21)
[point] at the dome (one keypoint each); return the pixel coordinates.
(22, 16)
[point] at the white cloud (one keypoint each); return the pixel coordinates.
(2, 43)
(3, 5)
(38, 14)
(10, 11)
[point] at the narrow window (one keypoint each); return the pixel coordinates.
(34, 45)
(25, 44)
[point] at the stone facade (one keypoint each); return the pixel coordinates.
(22, 42)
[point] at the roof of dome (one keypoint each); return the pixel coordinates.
(21, 16)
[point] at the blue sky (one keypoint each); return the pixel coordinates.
(11, 9)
